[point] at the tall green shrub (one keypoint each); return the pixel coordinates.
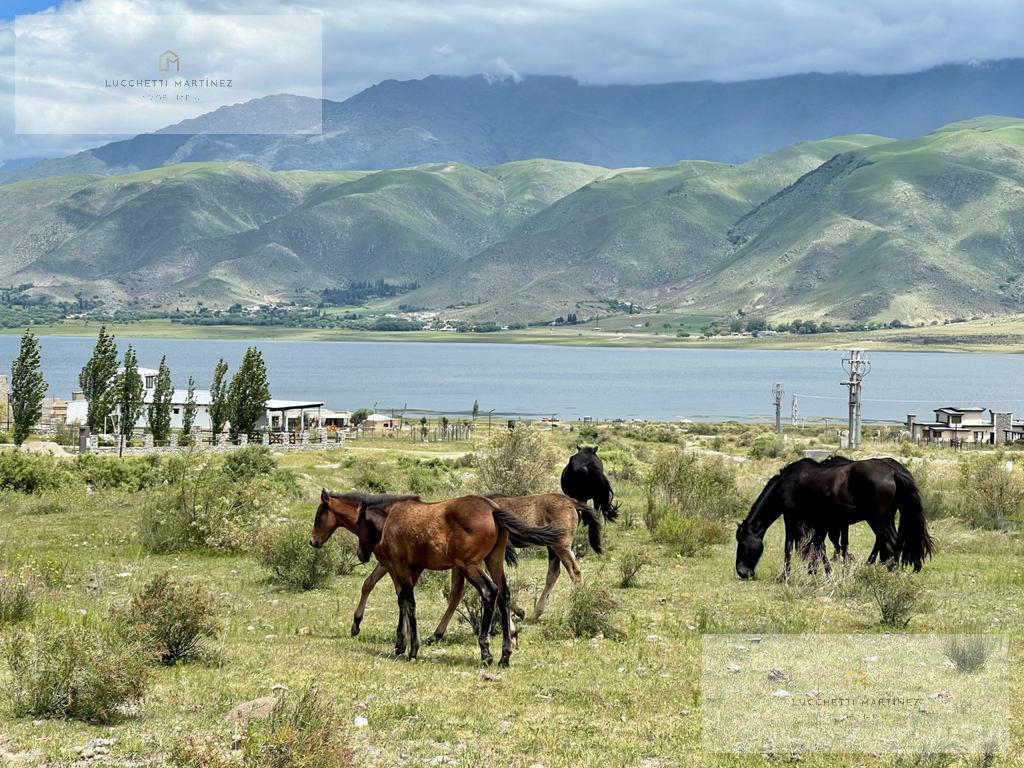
(28, 388)
(159, 415)
(248, 394)
(96, 379)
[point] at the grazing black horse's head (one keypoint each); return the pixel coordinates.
(749, 547)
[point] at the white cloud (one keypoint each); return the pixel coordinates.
(609, 41)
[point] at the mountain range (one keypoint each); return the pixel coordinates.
(856, 227)
(482, 121)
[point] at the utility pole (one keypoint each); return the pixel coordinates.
(777, 398)
(857, 367)
(795, 414)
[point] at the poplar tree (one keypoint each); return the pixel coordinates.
(28, 388)
(97, 378)
(248, 394)
(188, 415)
(127, 394)
(219, 399)
(159, 413)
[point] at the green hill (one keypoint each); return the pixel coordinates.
(857, 227)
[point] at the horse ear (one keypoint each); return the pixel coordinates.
(578, 449)
(361, 513)
(324, 495)
(596, 447)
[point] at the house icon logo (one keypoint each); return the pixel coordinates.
(168, 60)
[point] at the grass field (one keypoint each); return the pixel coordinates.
(565, 701)
(997, 334)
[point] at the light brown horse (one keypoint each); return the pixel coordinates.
(545, 509)
(409, 536)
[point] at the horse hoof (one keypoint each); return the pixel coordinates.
(503, 662)
(433, 639)
(355, 630)
(399, 652)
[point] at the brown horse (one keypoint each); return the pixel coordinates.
(409, 536)
(545, 509)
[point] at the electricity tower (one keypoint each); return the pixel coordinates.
(857, 366)
(777, 398)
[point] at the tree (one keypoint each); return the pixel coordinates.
(188, 415)
(516, 462)
(159, 414)
(359, 416)
(127, 394)
(28, 387)
(219, 399)
(248, 394)
(96, 379)
(476, 409)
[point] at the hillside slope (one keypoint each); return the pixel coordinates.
(481, 121)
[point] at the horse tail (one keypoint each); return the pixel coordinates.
(608, 508)
(511, 558)
(913, 542)
(522, 534)
(592, 522)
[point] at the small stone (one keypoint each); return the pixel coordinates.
(776, 675)
(732, 669)
(360, 721)
(278, 688)
(490, 677)
(781, 694)
(257, 709)
(304, 632)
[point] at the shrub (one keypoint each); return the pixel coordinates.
(16, 600)
(130, 473)
(689, 535)
(516, 462)
(897, 593)
(172, 620)
(303, 734)
(294, 564)
(198, 750)
(72, 670)
(630, 565)
(694, 485)
(372, 476)
(766, 446)
(29, 472)
(590, 610)
(249, 462)
(994, 493)
(969, 653)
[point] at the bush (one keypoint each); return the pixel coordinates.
(994, 494)
(766, 446)
(16, 600)
(630, 565)
(255, 462)
(695, 486)
(969, 653)
(294, 564)
(29, 472)
(516, 462)
(372, 476)
(172, 620)
(688, 535)
(590, 610)
(130, 473)
(72, 670)
(303, 734)
(896, 593)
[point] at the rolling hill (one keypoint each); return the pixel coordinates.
(482, 121)
(851, 228)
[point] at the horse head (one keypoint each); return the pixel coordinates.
(325, 522)
(749, 548)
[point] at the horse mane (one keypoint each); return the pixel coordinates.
(372, 499)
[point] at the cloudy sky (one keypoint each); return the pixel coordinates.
(596, 41)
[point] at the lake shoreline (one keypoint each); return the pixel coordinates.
(973, 337)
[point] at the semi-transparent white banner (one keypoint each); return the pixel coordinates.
(855, 693)
(134, 73)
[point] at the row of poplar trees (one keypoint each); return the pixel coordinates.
(111, 387)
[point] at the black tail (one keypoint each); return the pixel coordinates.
(603, 500)
(522, 535)
(592, 522)
(511, 558)
(913, 543)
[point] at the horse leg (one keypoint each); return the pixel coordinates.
(844, 542)
(410, 618)
(553, 569)
(400, 631)
(496, 565)
(369, 583)
(835, 536)
(454, 598)
(488, 595)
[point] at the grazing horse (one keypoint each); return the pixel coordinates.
(584, 479)
(552, 509)
(409, 536)
(815, 499)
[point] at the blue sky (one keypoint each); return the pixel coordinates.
(13, 8)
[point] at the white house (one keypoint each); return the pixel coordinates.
(968, 425)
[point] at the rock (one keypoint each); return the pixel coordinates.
(732, 669)
(279, 688)
(257, 709)
(776, 675)
(303, 631)
(360, 721)
(781, 694)
(490, 677)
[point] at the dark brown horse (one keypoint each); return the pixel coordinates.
(408, 536)
(544, 509)
(816, 499)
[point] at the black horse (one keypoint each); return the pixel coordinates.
(583, 479)
(818, 499)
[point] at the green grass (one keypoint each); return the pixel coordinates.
(633, 700)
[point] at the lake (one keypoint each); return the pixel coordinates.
(571, 382)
